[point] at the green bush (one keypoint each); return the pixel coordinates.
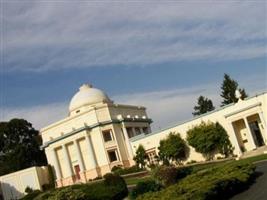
(168, 175)
(117, 167)
(218, 183)
(143, 187)
(113, 187)
(32, 195)
(128, 170)
(28, 190)
(210, 139)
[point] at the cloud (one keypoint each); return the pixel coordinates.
(165, 107)
(39, 116)
(46, 35)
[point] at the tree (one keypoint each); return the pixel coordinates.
(209, 139)
(19, 146)
(204, 105)
(140, 156)
(228, 87)
(173, 148)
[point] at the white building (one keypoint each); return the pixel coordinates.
(13, 185)
(93, 138)
(99, 134)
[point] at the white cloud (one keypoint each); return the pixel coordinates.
(48, 35)
(39, 116)
(165, 107)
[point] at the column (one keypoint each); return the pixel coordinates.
(141, 130)
(235, 140)
(249, 134)
(91, 155)
(79, 155)
(133, 129)
(67, 159)
(127, 141)
(264, 124)
(56, 165)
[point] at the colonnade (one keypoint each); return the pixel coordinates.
(250, 135)
(90, 154)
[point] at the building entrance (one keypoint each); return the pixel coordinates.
(255, 129)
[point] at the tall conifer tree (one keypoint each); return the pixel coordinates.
(204, 105)
(228, 87)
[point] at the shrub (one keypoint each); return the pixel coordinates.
(69, 193)
(143, 187)
(209, 139)
(168, 175)
(117, 167)
(214, 183)
(28, 190)
(113, 187)
(31, 195)
(128, 170)
(173, 148)
(140, 157)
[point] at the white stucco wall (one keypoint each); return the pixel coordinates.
(225, 116)
(13, 185)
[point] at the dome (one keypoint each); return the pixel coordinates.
(87, 95)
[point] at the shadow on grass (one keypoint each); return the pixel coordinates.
(242, 188)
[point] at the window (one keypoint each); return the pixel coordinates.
(107, 135)
(145, 130)
(152, 157)
(137, 131)
(112, 156)
(130, 132)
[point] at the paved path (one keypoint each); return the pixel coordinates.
(257, 191)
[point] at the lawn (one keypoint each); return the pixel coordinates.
(135, 180)
(199, 167)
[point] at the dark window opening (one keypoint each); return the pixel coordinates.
(112, 156)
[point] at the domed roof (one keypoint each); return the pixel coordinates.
(87, 95)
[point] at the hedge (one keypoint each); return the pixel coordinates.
(144, 187)
(214, 183)
(123, 171)
(112, 188)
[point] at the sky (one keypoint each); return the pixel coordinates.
(158, 54)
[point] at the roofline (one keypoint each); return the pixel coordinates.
(99, 124)
(138, 137)
(87, 111)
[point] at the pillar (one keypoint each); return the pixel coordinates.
(79, 155)
(264, 124)
(91, 155)
(56, 164)
(250, 136)
(127, 141)
(235, 140)
(67, 160)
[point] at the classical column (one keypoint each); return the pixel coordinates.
(133, 129)
(127, 141)
(263, 123)
(235, 140)
(79, 155)
(91, 156)
(67, 159)
(56, 164)
(249, 134)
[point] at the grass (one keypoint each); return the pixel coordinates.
(256, 158)
(199, 167)
(135, 180)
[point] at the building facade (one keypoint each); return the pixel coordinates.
(93, 138)
(99, 134)
(244, 121)
(13, 185)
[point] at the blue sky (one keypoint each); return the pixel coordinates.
(162, 55)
